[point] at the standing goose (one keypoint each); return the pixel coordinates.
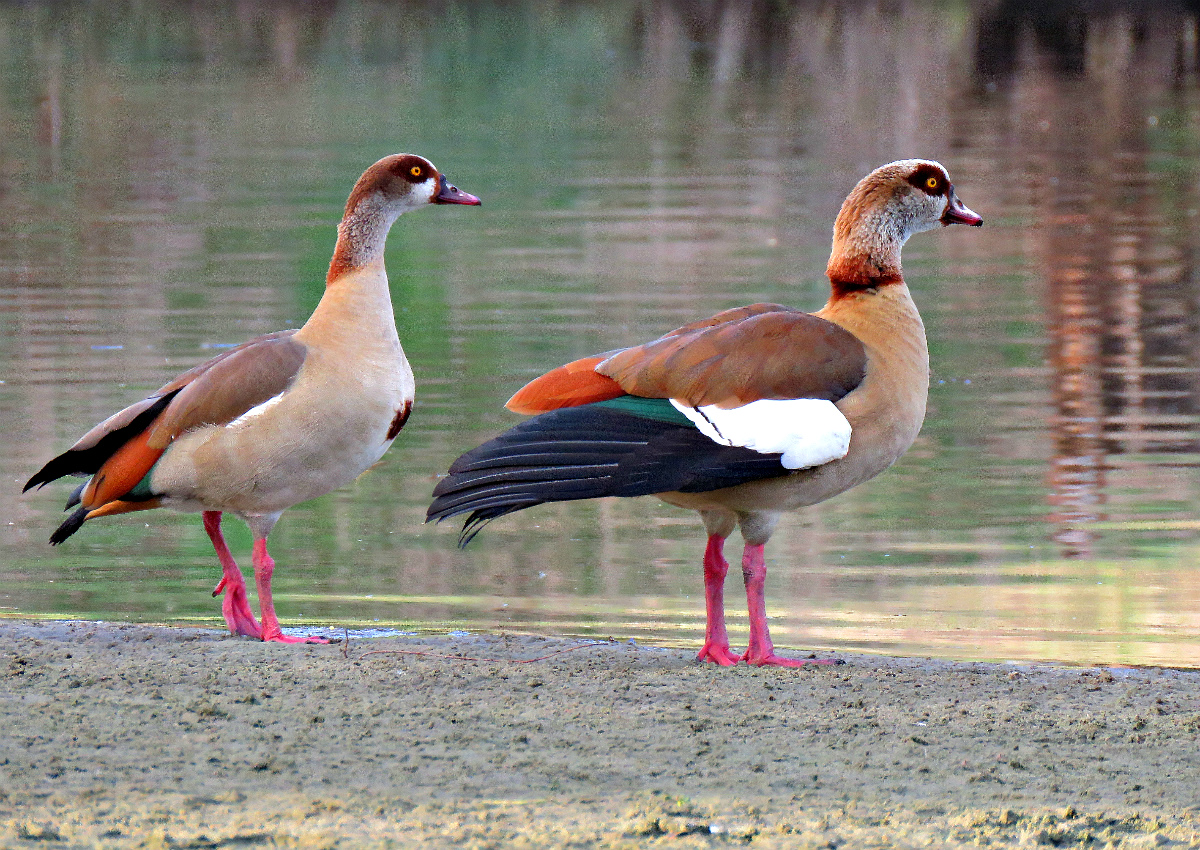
(277, 420)
(756, 411)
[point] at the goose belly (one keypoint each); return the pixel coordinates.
(285, 452)
(881, 433)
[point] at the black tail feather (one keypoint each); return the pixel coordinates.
(76, 496)
(585, 453)
(72, 524)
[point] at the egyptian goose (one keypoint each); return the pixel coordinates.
(756, 411)
(277, 420)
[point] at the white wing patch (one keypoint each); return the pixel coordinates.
(256, 411)
(807, 431)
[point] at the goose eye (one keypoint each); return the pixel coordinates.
(931, 183)
(417, 171)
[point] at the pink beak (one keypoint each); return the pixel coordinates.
(448, 194)
(957, 213)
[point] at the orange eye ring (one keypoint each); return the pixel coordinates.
(931, 182)
(416, 171)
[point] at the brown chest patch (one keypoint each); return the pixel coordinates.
(399, 419)
(850, 275)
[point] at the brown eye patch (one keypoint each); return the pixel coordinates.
(413, 169)
(929, 179)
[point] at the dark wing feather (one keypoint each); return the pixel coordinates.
(222, 389)
(213, 392)
(98, 445)
(588, 452)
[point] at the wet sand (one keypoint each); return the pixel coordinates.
(135, 736)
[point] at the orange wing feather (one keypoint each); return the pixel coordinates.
(733, 358)
(571, 385)
(122, 507)
(743, 355)
(578, 382)
(121, 472)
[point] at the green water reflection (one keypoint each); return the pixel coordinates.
(170, 177)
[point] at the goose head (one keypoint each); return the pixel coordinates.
(887, 207)
(391, 187)
(403, 182)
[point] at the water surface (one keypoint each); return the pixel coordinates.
(170, 179)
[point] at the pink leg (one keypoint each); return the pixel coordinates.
(716, 641)
(235, 606)
(761, 651)
(264, 566)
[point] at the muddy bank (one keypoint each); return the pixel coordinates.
(133, 736)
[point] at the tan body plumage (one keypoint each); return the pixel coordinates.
(885, 412)
(293, 447)
(278, 420)
(835, 397)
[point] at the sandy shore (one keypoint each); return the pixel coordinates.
(134, 736)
